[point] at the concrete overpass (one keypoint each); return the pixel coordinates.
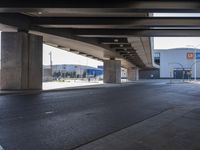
(116, 32)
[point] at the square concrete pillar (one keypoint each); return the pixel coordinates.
(21, 61)
(112, 71)
(133, 74)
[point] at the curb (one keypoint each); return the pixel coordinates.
(27, 92)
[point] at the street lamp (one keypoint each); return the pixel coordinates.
(51, 63)
(195, 60)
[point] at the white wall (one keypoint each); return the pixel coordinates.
(168, 58)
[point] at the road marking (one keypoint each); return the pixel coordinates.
(49, 112)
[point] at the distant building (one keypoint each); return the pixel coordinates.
(100, 67)
(178, 63)
(94, 72)
(123, 73)
(149, 73)
(75, 71)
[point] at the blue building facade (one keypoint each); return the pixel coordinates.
(94, 72)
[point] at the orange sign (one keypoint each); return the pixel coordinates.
(190, 55)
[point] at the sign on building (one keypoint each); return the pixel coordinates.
(198, 55)
(190, 55)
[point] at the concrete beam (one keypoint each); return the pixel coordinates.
(115, 22)
(19, 21)
(133, 74)
(103, 5)
(85, 45)
(119, 33)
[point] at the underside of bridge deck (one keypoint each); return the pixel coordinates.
(102, 30)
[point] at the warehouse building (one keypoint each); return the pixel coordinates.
(71, 71)
(178, 63)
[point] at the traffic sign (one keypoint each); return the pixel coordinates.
(197, 55)
(190, 55)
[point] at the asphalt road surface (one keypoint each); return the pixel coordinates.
(80, 119)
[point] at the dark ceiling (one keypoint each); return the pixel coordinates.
(108, 22)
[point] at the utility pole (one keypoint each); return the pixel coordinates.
(51, 63)
(195, 67)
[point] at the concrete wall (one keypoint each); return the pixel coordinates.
(133, 74)
(149, 74)
(112, 71)
(35, 62)
(21, 61)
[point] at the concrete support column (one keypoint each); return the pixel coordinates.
(21, 61)
(112, 71)
(133, 74)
